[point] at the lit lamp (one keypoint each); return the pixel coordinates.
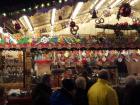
(26, 22)
(53, 20)
(76, 10)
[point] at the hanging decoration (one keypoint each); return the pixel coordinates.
(60, 17)
(94, 14)
(17, 26)
(41, 8)
(99, 21)
(72, 42)
(73, 28)
(135, 19)
(124, 10)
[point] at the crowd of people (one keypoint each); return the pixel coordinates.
(84, 91)
(81, 91)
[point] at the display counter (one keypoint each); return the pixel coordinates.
(27, 100)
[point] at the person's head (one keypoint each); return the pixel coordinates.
(69, 85)
(80, 82)
(103, 74)
(85, 73)
(130, 81)
(46, 79)
(2, 91)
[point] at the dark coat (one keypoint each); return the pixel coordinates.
(135, 96)
(41, 95)
(127, 95)
(122, 67)
(81, 97)
(61, 97)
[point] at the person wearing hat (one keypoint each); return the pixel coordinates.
(65, 95)
(101, 93)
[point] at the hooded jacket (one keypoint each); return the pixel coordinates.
(102, 94)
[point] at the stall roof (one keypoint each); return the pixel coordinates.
(41, 19)
(13, 5)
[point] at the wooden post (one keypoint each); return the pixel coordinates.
(24, 68)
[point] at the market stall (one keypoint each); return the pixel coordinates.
(63, 38)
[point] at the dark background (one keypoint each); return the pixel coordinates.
(13, 5)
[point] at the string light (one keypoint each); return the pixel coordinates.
(36, 7)
(60, 1)
(24, 9)
(48, 4)
(42, 5)
(4, 14)
(30, 9)
(17, 12)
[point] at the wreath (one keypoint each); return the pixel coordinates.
(100, 20)
(124, 10)
(73, 28)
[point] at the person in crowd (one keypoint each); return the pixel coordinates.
(128, 90)
(81, 94)
(101, 93)
(42, 92)
(87, 68)
(121, 66)
(120, 92)
(3, 99)
(65, 95)
(135, 96)
(89, 81)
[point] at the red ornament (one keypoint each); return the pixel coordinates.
(125, 9)
(84, 61)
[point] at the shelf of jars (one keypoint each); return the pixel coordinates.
(12, 67)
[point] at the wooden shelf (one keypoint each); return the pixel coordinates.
(117, 27)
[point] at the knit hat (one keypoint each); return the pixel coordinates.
(103, 74)
(68, 84)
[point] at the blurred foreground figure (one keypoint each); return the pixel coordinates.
(128, 90)
(3, 99)
(131, 91)
(101, 93)
(65, 95)
(81, 93)
(42, 92)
